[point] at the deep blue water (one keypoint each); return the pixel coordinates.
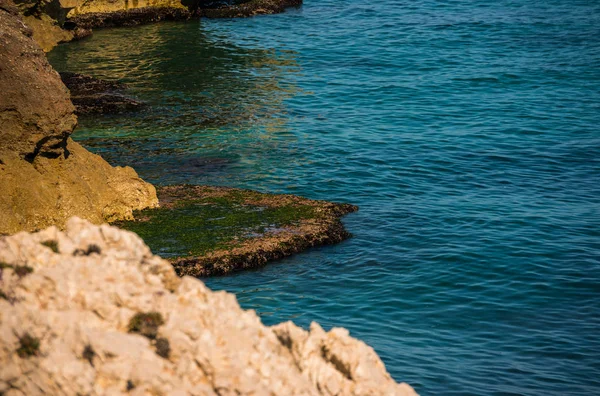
(468, 132)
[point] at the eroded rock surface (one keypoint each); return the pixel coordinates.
(45, 18)
(47, 33)
(45, 177)
(92, 311)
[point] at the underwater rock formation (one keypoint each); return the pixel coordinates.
(91, 311)
(92, 95)
(245, 9)
(126, 17)
(45, 177)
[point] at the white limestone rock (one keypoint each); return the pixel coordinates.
(78, 303)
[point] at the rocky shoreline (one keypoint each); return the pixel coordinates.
(45, 176)
(90, 310)
(59, 21)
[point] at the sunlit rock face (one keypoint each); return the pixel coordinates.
(84, 7)
(45, 177)
(45, 18)
(92, 311)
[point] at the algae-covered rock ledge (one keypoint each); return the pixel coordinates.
(206, 231)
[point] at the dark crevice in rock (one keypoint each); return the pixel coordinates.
(130, 385)
(89, 354)
(285, 340)
(49, 147)
(90, 250)
(337, 363)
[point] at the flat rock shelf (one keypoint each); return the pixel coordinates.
(206, 231)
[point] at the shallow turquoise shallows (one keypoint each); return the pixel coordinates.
(467, 131)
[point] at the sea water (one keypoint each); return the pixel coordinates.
(468, 132)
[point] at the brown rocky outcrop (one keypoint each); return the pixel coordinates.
(47, 32)
(45, 18)
(91, 311)
(45, 177)
(48, 18)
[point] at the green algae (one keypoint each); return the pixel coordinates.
(197, 226)
(53, 245)
(20, 270)
(29, 346)
(210, 231)
(146, 324)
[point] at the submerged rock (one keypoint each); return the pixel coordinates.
(118, 320)
(45, 177)
(240, 9)
(88, 19)
(92, 95)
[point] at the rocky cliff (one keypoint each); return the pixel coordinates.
(101, 6)
(45, 18)
(91, 311)
(45, 177)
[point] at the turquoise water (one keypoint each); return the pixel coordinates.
(468, 133)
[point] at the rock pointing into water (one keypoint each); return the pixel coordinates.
(91, 311)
